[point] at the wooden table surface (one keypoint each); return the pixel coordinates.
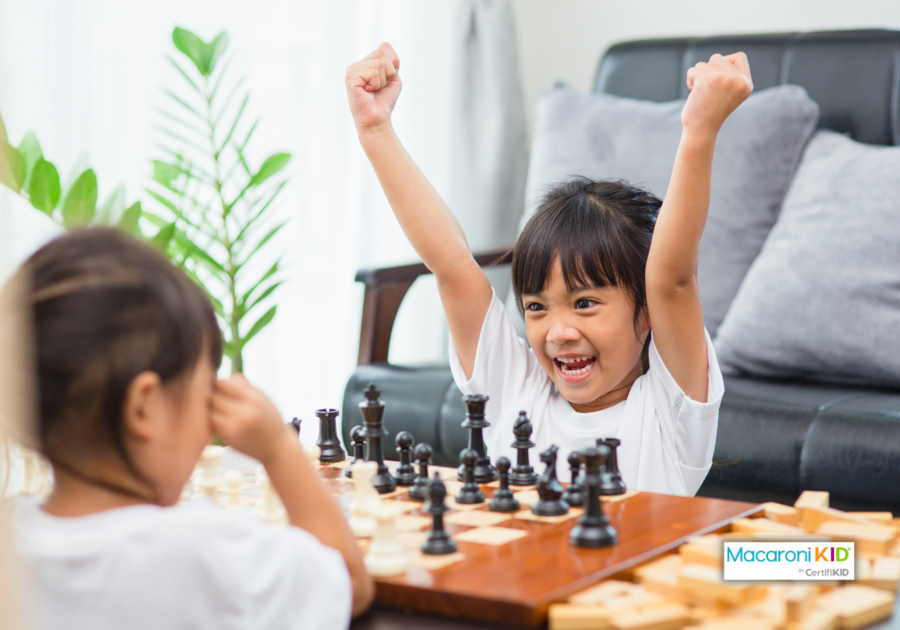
(515, 583)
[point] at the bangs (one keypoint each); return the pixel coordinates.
(599, 231)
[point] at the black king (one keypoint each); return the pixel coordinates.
(372, 410)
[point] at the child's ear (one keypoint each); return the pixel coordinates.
(142, 406)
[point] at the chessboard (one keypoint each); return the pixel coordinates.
(510, 568)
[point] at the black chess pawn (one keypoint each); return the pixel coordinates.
(406, 474)
(612, 482)
(438, 542)
(523, 473)
(593, 528)
(372, 409)
(475, 423)
(574, 494)
(470, 492)
(503, 499)
(359, 448)
(295, 424)
(328, 440)
(550, 491)
(419, 489)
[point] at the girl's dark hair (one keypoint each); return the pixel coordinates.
(599, 230)
(107, 307)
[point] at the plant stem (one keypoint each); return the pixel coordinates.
(232, 319)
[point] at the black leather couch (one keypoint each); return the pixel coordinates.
(775, 439)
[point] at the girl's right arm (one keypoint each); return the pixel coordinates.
(250, 423)
(373, 85)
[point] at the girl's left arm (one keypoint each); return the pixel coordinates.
(673, 297)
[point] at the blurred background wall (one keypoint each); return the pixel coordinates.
(87, 77)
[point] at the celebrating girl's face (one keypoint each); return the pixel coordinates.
(585, 339)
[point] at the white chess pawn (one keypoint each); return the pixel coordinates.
(366, 501)
(233, 481)
(313, 453)
(386, 556)
(269, 508)
(207, 480)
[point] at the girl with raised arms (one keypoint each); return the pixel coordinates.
(605, 275)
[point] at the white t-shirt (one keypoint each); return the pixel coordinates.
(667, 438)
(189, 566)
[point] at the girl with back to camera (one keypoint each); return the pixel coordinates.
(127, 349)
(599, 265)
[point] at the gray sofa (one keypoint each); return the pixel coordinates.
(775, 439)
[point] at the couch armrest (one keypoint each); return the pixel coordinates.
(385, 290)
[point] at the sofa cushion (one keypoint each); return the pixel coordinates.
(603, 136)
(822, 300)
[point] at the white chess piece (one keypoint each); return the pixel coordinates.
(269, 508)
(233, 481)
(366, 501)
(386, 556)
(207, 480)
(313, 453)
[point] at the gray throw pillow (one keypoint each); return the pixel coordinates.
(822, 300)
(602, 136)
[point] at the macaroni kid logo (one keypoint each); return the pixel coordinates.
(788, 561)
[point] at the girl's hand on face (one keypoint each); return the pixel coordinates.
(373, 85)
(246, 419)
(717, 88)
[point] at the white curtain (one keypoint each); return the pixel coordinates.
(87, 77)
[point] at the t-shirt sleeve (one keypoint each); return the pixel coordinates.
(277, 577)
(504, 365)
(689, 427)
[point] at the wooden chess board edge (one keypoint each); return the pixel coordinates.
(573, 587)
(396, 596)
(533, 613)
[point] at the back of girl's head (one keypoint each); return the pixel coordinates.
(599, 230)
(106, 308)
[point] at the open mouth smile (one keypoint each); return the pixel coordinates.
(573, 369)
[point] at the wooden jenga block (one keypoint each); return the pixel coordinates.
(703, 550)
(782, 513)
(871, 540)
(604, 592)
(885, 573)
(669, 617)
(811, 498)
(816, 620)
(814, 517)
(799, 602)
(764, 526)
(661, 577)
(573, 617)
(883, 518)
(857, 606)
(705, 583)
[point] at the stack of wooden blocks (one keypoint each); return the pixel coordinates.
(685, 589)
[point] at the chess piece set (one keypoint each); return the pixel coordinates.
(371, 477)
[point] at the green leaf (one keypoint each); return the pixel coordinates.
(212, 94)
(43, 186)
(3, 137)
(12, 167)
(192, 47)
(112, 209)
(165, 173)
(262, 296)
(272, 165)
(184, 104)
(167, 203)
(81, 201)
(263, 241)
(30, 149)
(130, 220)
(237, 119)
(215, 49)
(163, 238)
(184, 74)
(272, 271)
(261, 323)
(259, 212)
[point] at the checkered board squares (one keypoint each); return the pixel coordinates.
(491, 535)
(476, 518)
